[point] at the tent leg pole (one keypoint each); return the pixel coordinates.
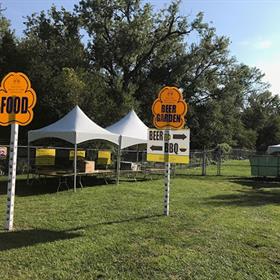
(119, 160)
(75, 168)
(137, 155)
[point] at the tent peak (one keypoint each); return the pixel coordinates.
(75, 127)
(131, 128)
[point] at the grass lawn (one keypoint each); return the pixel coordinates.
(219, 228)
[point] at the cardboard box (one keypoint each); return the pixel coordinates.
(86, 166)
(89, 166)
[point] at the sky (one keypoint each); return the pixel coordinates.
(251, 25)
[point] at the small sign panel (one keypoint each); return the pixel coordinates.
(17, 100)
(45, 157)
(104, 157)
(81, 154)
(169, 109)
(175, 149)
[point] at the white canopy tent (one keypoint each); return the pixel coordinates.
(75, 127)
(132, 131)
(273, 149)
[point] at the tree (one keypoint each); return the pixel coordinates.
(262, 114)
(55, 53)
(9, 59)
(130, 44)
(131, 53)
(138, 52)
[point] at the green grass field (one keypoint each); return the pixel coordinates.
(219, 227)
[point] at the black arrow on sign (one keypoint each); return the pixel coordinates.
(183, 149)
(179, 136)
(156, 148)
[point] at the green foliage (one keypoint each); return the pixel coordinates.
(127, 53)
(224, 148)
(262, 115)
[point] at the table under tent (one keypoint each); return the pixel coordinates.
(132, 132)
(75, 127)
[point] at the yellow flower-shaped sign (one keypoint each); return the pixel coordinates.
(169, 109)
(17, 99)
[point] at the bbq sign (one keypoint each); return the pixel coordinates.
(169, 109)
(173, 146)
(17, 100)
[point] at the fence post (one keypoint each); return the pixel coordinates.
(219, 162)
(204, 163)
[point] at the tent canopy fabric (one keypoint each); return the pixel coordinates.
(132, 130)
(75, 127)
(273, 149)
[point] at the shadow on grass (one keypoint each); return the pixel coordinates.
(249, 197)
(211, 177)
(133, 219)
(24, 238)
(257, 183)
(47, 186)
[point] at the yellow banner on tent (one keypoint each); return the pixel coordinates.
(81, 154)
(168, 158)
(45, 157)
(104, 157)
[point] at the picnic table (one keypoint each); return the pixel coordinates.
(64, 175)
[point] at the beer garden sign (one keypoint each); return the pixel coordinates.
(169, 143)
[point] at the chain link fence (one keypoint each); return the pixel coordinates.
(214, 163)
(207, 162)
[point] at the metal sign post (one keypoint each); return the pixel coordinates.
(119, 160)
(12, 177)
(166, 173)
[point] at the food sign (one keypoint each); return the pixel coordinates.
(17, 100)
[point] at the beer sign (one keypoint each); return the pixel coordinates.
(172, 146)
(169, 109)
